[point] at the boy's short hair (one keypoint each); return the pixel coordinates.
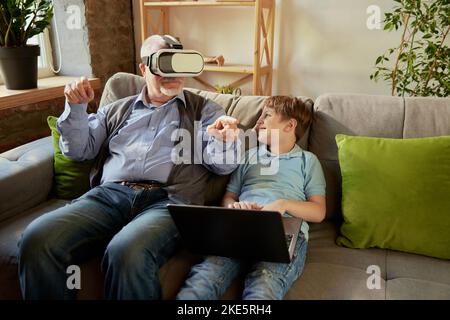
(291, 108)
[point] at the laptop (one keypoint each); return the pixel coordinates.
(238, 233)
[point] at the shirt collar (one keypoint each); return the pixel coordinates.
(296, 151)
(140, 98)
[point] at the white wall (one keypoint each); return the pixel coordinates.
(73, 42)
(320, 45)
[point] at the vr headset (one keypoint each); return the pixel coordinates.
(174, 62)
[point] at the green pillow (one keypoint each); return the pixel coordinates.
(396, 194)
(71, 178)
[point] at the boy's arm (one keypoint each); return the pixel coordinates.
(312, 210)
(229, 198)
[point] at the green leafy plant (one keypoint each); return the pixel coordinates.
(224, 89)
(22, 19)
(228, 90)
(420, 65)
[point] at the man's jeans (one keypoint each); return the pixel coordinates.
(265, 280)
(134, 226)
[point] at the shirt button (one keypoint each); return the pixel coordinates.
(139, 158)
(153, 128)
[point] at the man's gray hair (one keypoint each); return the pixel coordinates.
(148, 47)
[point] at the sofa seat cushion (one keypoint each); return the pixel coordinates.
(333, 272)
(26, 174)
(10, 233)
(413, 276)
(415, 289)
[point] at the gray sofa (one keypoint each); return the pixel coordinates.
(331, 272)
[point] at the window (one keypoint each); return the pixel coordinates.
(45, 60)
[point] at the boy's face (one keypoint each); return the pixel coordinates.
(268, 123)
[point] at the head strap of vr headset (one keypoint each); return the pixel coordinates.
(172, 43)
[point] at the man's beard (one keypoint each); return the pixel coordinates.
(171, 91)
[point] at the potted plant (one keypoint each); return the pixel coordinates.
(19, 21)
(420, 64)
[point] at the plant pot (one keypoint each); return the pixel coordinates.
(19, 66)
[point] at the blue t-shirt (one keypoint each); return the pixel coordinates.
(265, 177)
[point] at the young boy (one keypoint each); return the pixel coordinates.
(296, 188)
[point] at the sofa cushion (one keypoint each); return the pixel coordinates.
(71, 178)
(414, 289)
(366, 115)
(426, 117)
(413, 276)
(333, 272)
(119, 86)
(402, 265)
(10, 234)
(26, 174)
(395, 194)
(351, 114)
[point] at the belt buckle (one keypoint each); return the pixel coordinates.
(140, 186)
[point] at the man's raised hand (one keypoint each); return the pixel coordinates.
(79, 92)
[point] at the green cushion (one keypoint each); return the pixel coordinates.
(71, 178)
(396, 194)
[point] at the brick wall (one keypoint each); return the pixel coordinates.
(29, 122)
(111, 37)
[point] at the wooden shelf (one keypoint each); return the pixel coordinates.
(198, 4)
(235, 68)
(48, 88)
(155, 20)
(232, 68)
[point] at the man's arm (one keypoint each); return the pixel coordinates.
(312, 210)
(221, 151)
(81, 134)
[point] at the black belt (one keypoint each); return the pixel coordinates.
(147, 185)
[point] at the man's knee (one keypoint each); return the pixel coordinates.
(125, 255)
(35, 240)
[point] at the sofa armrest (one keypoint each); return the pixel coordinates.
(26, 175)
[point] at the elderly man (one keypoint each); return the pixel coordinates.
(134, 178)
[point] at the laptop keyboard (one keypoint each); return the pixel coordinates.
(289, 237)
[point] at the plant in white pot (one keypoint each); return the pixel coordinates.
(20, 20)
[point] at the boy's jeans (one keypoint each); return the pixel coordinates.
(134, 226)
(210, 279)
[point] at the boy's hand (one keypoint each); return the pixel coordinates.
(79, 92)
(224, 128)
(277, 205)
(245, 205)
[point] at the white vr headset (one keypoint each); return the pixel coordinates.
(174, 62)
